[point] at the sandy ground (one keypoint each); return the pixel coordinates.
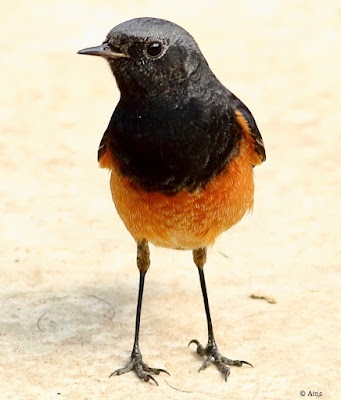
(68, 275)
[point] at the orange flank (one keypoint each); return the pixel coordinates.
(255, 158)
(106, 161)
(187, 220)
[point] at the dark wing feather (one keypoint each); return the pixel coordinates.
(104, 155)
(248, 124)
(102, 148)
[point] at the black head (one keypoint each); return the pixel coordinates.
(149, 54)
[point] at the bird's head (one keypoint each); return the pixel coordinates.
(149, 55)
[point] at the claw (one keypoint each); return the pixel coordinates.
(245, 362)
(200, 348)
(148, 377)
(163, 370)
(193, 341)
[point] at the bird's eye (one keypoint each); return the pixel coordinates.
(154, 49)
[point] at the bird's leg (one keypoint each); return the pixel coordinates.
(142, 370)
(211, 350)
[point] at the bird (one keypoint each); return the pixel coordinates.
(181, 149)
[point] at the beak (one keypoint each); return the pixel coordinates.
(103, 51)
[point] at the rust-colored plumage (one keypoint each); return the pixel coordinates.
(187, 220)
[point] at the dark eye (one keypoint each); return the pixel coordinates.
(154, 49)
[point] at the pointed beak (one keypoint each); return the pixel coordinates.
(103, 51)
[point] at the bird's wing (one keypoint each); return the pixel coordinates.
(250, 130)
(104, 155)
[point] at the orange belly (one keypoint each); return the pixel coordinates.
(187, 220)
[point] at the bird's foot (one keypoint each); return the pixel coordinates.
(142, 370)
(213, 355)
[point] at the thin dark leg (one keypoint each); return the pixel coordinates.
(211, 349)
(143, 262)
(207, 307)
(200, 257)
(143, 371)
(138, 313)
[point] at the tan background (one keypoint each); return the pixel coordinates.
(67, 268)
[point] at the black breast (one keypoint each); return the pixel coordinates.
(172, 147)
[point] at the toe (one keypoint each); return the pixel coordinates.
(200, 348)
(147, 378)
(155, 371)
(235, 363)
(224, 369)
(205, 364)
(121, 371)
